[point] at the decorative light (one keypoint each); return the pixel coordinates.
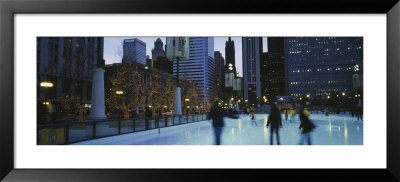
(119, 92)
(46, 84)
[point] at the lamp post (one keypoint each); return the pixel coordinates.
(178, 45)
(46, 85)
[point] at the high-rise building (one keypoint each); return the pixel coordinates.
(251, 52)
(67, 62)
(230, 54)
(158, 50)
(199, 67)
(273, 70)
(232, 82)
(219, 73)
(322, 66)
(134, 51)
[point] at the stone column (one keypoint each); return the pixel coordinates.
(98, 109)
(237, 106)
(177, 102)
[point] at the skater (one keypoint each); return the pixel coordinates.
(247, 111)
(306, 126)
(275, 120)
(253, 119)
(359, 113)
(217, 115)
(326, 112)
(292, 115)
(286, 114)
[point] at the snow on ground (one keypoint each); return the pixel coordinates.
(331, 130)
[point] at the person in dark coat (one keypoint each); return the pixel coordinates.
(359, 113)
(306, 126)
(217, 115)
(274, 121)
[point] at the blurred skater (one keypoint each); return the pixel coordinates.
(292, 115)
(306, 126)
(247, 111)
(253, 119)
(359, 113)
(275, 120)
(286, 114)
(217, 115)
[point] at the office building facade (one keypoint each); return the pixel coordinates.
(251, 56)
(322, 66)
(198, 67)
(219, 73)
(67, 62)
(134, 50)
(273, 70)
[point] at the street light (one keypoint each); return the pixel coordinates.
(343, 94)
(46, 85)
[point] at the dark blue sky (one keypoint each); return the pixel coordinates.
(113, 48)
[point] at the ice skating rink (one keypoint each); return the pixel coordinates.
(337, 129)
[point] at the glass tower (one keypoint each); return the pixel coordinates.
(134, 51)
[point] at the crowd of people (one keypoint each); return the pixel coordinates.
(274, 122)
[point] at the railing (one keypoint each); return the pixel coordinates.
(72, 132)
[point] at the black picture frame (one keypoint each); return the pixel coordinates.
(9, 8)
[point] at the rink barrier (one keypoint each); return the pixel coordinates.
(74, 131)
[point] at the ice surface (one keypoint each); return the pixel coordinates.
(337, 129)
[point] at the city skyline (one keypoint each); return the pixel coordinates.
(113, 47)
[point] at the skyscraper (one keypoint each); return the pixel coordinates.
(158, 50)
(219, 73)
(273, 69)
(232, 82)
(134, 51)
(251, 52)
(200, 67)
(230, 54)
(322, 66)
(67, 62)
